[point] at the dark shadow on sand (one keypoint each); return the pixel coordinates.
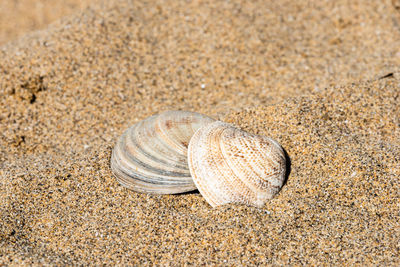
(195, 191)
(288, 166)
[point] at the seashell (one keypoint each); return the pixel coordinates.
(229, 165)
(151, 156)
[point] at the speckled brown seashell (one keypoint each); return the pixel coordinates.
(151, 156)
(229, 165)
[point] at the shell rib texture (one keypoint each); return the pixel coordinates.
(229, 165)
(151, 156)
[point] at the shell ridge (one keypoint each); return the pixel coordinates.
(178, 132)
(216, 160)
(145, 134)
(229, 165)
(129, 164)
(151, 156)
(129, 168)
(263, 180)
(247, 193)
(198, 147)
(202, 145)
(147, 165)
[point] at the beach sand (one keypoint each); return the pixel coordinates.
(322, 78)
(18, 17)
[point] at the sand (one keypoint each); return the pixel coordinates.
(321, 78)
(17, 17)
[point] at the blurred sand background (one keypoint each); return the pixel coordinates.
(321, 77)
(18, 17)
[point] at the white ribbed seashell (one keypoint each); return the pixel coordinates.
(151, 156)
(229, 165)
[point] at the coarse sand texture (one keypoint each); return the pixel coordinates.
(322, 78)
